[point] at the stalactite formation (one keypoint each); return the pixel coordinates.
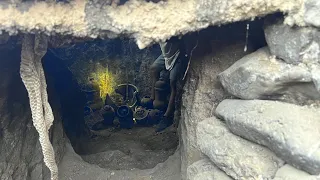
(32, 75)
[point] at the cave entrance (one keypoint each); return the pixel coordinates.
(102, 85)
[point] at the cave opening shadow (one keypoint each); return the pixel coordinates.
(113, 148)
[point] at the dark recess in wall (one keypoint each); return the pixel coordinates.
(72, 100)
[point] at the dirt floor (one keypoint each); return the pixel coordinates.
(72, 167)
(129, 154)
(126, 149)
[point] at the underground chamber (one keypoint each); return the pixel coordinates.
(104, 88)
(104, 124)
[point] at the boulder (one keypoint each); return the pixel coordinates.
(288, 172)
(237, 157)
(260, 75)
(292, 44)
(312, 13)
(205, 170)
(291, 131)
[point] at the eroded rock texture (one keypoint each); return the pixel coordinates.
(239, 158)
(217, 49)
(294, 45)
(312, 13)
(147, 22)
(261, 76)
(205, 170)
(291, 131)
(21, 156)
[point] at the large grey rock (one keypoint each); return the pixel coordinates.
(259, 75)
(288, 172)
(312, 13)
(291, 131)
(293, 44)
(239, 158)
(205, 170)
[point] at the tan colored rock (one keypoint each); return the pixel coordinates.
(147, 22)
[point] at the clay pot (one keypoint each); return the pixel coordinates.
(160, 105)
(108, 114)
(141, 115)
(146, 102)
(125, 115)
(154, 116)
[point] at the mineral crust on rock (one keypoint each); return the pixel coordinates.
(147, 22)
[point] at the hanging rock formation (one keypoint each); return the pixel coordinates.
(32, 75)
(21, 154)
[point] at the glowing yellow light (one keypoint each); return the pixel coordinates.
(106, 81)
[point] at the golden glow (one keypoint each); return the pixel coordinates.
(106, 81)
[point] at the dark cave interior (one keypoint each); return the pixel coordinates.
(67, 69)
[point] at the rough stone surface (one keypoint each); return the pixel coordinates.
(162, 20)
(21, 155)
(239, 158)
(312, 13)
(291, 131)
(293, 45)
(202, 90)
(288, 172)
(205, 170)
(259, 75)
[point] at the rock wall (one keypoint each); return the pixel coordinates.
(255, 116)
(21, 156)
(163, 19)
(218, 48)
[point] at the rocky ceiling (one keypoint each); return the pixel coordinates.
(146, 21)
